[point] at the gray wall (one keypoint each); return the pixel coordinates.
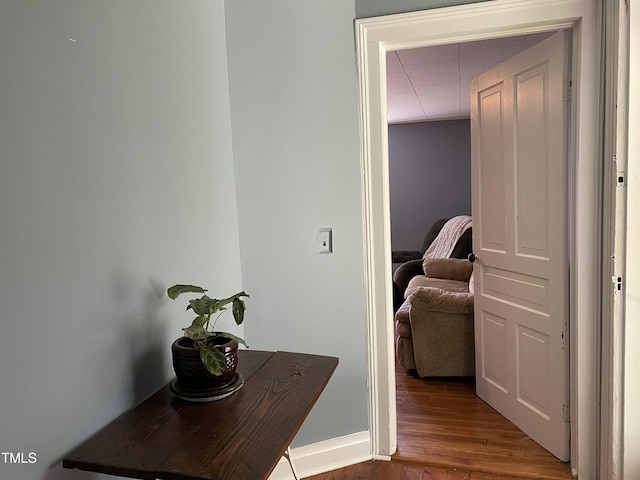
(374, 8)
(295, 138)
(116, 181)
(429, 177)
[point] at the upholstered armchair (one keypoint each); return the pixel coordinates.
(408, 264)
(434, 325)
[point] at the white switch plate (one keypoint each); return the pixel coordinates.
(325, 240)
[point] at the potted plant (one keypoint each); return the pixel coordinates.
(205, 359)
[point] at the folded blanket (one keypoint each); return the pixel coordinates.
(446, 240)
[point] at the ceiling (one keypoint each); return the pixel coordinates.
(432, 83)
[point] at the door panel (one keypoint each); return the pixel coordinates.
(520, 197)
(493, 233)
(531, 173)
(494, 343)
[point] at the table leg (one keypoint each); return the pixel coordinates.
(287, 455)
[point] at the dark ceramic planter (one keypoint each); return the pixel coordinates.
(191, 374)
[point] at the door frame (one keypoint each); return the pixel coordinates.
(491, 19)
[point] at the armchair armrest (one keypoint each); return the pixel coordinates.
(406, 272)
(434, 299)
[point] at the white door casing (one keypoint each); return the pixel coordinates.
(479, 21)
(519, 133)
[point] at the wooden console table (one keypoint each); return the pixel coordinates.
(239, 437)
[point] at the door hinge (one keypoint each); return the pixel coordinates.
(617, 283)
(566, 413)
(569, 95)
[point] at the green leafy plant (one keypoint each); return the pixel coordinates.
(201, 330)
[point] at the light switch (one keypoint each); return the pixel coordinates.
(325, 240)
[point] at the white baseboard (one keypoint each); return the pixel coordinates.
(325, 456)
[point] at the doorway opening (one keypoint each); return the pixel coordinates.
(481, 437)
(465, 23)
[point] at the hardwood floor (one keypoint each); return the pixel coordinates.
(394, 470)
(446, 432)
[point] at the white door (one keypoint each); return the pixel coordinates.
(520, 201)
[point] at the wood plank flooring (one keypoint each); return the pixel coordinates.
(394, 470)
(445, 432)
